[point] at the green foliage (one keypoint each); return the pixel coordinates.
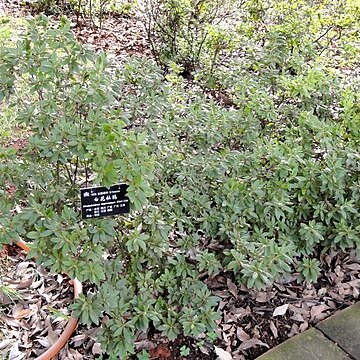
(122, 7)
(80, 133)
(9, 292)
(97, 10)
(52, 6)
(5, 29)
(189, 33)
(143, 355)
(9, 28)
(184, 351)
(309, 269)
(273, 177)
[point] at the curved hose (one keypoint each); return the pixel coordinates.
(54, 349)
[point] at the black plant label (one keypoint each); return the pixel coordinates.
(101, 201)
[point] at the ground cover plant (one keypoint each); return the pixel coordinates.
(259, 187)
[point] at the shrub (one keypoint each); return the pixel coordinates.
(192, 34)
(262, 184)
(78, 136)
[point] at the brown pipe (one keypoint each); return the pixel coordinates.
(23, 245)
(54, 349)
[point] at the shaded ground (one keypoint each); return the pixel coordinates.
(252, 321)
(335, 338)
(33, 307)
(122, 35)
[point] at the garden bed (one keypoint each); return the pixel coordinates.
(258, 192)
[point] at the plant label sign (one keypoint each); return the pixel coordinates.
(101, 201)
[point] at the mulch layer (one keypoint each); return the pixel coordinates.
(34, 311)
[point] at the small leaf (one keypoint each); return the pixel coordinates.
(273, 329)
(281, 310)
(242, 335)
(252, 343)
(222, 354)
(317, 310)
(32, 235)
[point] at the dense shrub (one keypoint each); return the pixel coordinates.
(79, 135)
(265, 193)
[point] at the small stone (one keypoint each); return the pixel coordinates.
(310, 345)
(344, 329)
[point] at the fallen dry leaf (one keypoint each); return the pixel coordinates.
(355, 293)
(261, 297)
(264, 296)
(96, 349)
(222, 354)
(317, 310)
(15, 353)
(354, 267)
(24, 284)
(161, 352)
(281, 310)
(303, 326)
(227, 327)
(240, 312)
(293, 331)
(242, 335)
(23, 314)
(232, 287)
(297, 317)
(18, 312)
(252, 343)
(141, 344)
(4, 343)
(273, 329)
(299, 310)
